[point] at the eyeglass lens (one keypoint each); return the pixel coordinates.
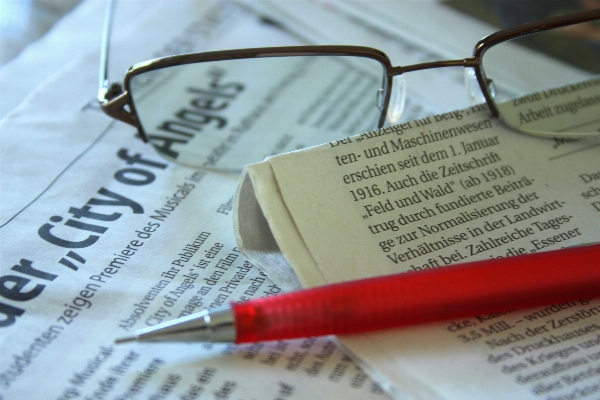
(227, 114)
(548, 83)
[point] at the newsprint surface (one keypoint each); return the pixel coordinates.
(101, 237)
(436, 191)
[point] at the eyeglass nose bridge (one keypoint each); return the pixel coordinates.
(473, 62)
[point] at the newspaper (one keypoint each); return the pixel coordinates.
(450, 188)
(100, 236)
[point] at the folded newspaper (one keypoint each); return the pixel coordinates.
(450, 188)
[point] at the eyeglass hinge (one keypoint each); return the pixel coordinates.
(471, 62)
(114, 102)
(113, 90)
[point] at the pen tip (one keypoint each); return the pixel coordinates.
(125, 339)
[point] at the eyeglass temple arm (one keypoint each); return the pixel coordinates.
(111, 96)
(104, 84)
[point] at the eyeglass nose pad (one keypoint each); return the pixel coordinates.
(491, 88)
(473, 89)
(379, 98)
(397, 100)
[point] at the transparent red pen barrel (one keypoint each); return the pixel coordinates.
(418, 297)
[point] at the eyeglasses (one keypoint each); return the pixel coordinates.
(225, 109)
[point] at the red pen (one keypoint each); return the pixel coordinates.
(409, 298)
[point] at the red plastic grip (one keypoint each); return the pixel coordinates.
(444, 293)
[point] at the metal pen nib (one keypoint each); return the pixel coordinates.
(126, 339)
(215, 325)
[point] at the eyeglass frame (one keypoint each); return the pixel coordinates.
(114, 100)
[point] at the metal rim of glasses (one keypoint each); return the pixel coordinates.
(117, 103)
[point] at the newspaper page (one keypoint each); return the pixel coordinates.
(446, 189)
(100, 236)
